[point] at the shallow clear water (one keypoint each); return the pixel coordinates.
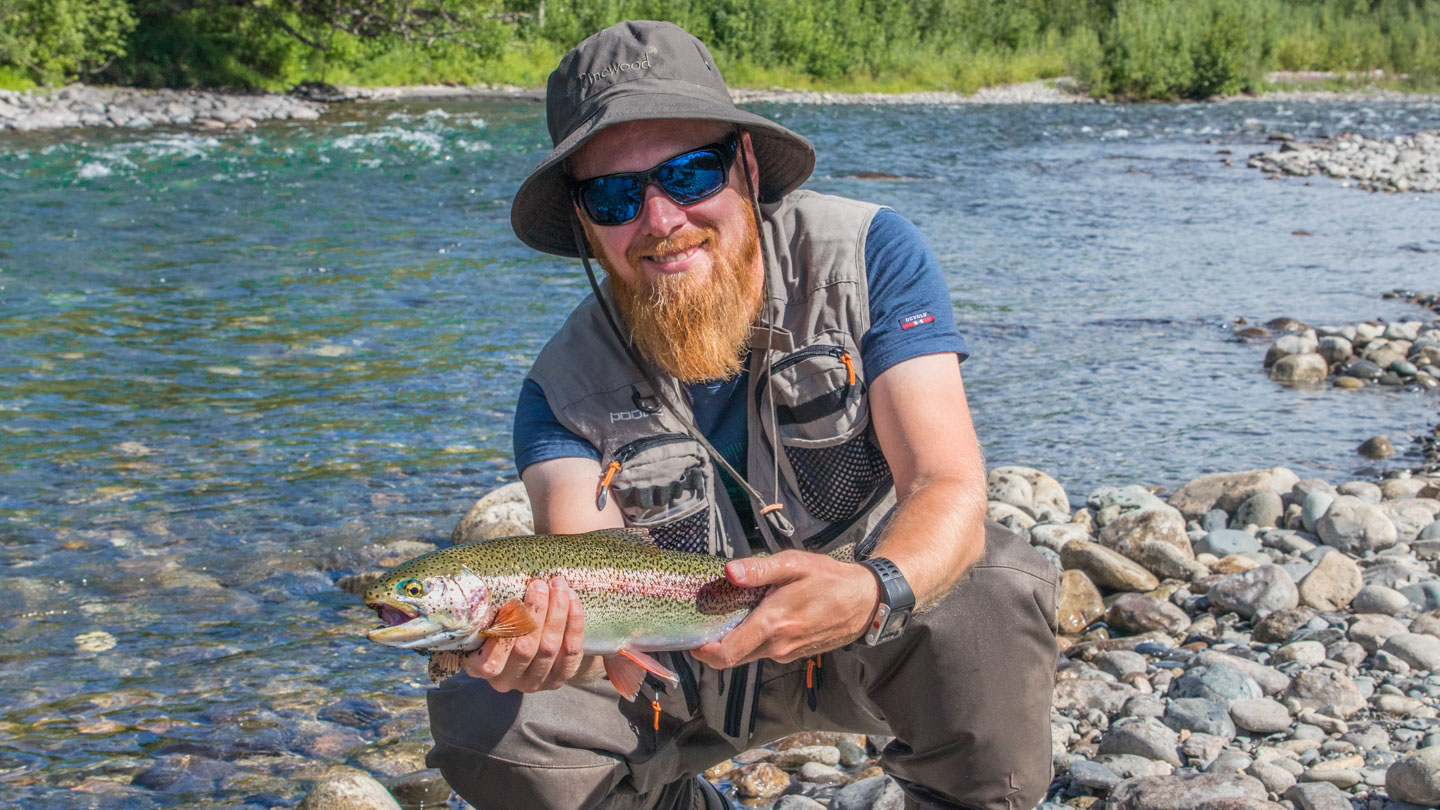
(234, 366)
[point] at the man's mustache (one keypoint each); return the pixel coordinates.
(675, 243)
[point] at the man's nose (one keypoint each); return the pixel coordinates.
(660, 215)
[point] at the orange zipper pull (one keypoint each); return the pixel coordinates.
(849, 366)
(655, 704)
(812, 681)
(602, 492)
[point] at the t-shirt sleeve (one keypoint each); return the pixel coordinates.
(539, 436)
(910, 311)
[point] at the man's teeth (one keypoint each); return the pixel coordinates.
(674, 257)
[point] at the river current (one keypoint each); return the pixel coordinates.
(233, 366)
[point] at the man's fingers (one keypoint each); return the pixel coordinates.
(753, 572)
(523, 649)
(552, 633)
(489, 660)
(572, 646)
(739, 646)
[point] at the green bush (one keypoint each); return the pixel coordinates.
(1141, 49)
(55, 41)
(1157, 49)
(205, 47)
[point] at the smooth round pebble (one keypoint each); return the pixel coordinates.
(1260, 715)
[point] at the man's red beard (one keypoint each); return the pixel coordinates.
(696, 329)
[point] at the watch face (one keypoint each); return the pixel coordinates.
(895, 624)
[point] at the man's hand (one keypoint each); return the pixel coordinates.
(546, 658)
(816, 604)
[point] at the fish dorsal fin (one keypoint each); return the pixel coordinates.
(630, 534)
(512, 620)
(443, 664)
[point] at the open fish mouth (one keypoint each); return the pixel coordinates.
(404, 628)
(392, 615)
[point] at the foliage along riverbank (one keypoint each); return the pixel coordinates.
(1131, 49)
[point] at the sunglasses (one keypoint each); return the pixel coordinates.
(615, 199)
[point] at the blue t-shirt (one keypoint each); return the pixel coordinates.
(910, 316)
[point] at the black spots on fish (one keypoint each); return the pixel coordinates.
(721, 596)
(443, 664)
(629, 534)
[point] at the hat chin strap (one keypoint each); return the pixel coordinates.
(773, 511)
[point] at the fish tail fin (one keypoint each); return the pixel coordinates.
(627, 668)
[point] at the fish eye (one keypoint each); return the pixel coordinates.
(411, 587)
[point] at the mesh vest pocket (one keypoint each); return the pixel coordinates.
(662, 485)
(834, 482)
(824, 425)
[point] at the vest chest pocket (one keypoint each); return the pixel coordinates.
(824, 423)
(661, 484)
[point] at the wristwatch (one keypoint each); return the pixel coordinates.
(897, 602)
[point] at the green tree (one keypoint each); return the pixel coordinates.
(54, 41)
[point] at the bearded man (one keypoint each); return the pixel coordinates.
(763, 370)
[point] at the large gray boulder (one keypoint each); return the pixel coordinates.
(1107, 568)
(1415, 778)
(1048, 500)
(501, 512)
(1355, 526)
(1300, 368)
(1163, 524)
(1332, 584)
(1183, 793)
(1255, 593)
(1229, 490)
(352, 790)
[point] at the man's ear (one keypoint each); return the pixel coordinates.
(581, 234)
(750, 163)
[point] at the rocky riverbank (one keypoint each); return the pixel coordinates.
(81, 106)
(1400, 355)
(1397, 354)
(1251, 641)
(1402, 163)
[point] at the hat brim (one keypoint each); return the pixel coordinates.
(543, 215)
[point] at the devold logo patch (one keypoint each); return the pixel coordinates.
(918, 319)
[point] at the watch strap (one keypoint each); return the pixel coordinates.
(897, 601)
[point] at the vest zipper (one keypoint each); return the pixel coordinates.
(623, 455)
(735, 701)
(809, 351)
(790, 360)
(688, 684)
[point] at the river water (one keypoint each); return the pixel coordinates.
(236, 366)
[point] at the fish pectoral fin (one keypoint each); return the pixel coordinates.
(627, 668)
(444, 664)
(512, 620)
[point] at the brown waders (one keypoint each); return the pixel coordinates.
(965, 692)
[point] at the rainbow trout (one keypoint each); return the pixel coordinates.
(637, 598)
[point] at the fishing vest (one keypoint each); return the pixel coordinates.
(833, 482)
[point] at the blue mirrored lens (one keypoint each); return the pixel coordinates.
(612, 200)
(687, 179)
(691, 178)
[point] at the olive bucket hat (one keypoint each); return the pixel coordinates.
(635, 71)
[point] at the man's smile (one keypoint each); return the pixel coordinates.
(669, 258)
